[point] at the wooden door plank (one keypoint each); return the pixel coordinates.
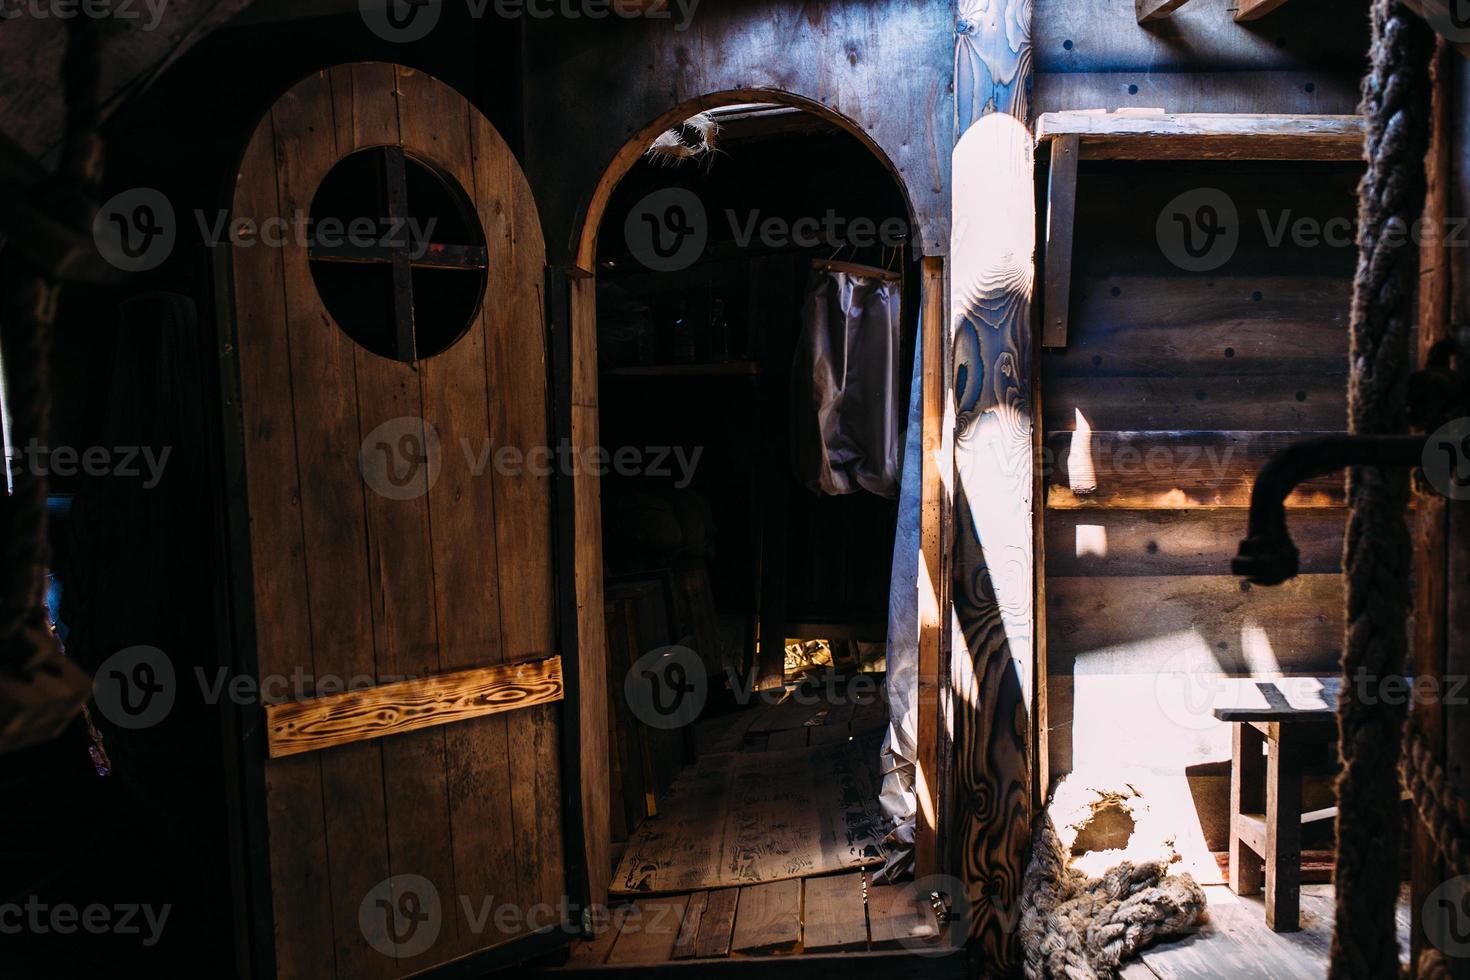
(319, 723)
(717, 924)
(301, 895)
(335, 525)
(688, 938)
(405, 627)
(769, 918)
(834, 915)
(899, 916)
(464, 560)
(516, 365)
(648, 933)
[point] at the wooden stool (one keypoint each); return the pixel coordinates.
(1287, 715)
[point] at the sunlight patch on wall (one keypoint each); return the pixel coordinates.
(1081, 475)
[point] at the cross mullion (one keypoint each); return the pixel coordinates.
(397, 198)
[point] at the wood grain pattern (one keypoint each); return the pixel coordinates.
(768, 919)
(834, 917)
(1322, 91)
(649, 931)
(1104, 541)
(991, 282)
(1172, 470)
(1140, 625)
(1157, 135)
(391, 709)
(846, 61)
(898, 915)
(281, 601)
(933, 583)
(334, 524)
(718, 923)
(355, 587)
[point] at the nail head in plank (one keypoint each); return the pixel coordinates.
(717, 923)
(769, 917)
(389, 709)
(1061, 214)
(833, 915)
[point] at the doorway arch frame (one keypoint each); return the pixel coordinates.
(575, 287)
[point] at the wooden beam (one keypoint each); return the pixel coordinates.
(404, 706)
(1061, 216)
(1254, 9)
(1152, 134)
(992, 277)
(1148, 10)
(931, 564)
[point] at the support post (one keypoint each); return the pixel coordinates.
(991, 282)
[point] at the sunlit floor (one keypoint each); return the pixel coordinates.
(1233, 943)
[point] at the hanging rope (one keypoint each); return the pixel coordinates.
(39, 689)
(1377, 551)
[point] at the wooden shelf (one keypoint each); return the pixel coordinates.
(727, 369)
(1132, 134)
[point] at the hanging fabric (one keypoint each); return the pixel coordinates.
(845, 381)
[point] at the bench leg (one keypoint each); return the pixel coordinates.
(1247, 795)
(1283, 833)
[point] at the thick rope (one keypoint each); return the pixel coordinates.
(1377, 551)
(1078, 928)
(28, 311)
(1442, 810)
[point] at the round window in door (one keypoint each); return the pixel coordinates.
(397, 253)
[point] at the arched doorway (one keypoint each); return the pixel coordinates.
(624, 184)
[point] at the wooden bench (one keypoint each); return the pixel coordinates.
(1286, 715)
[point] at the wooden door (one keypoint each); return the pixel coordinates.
(392, 544)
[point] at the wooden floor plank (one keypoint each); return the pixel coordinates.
(1234, 941)
(833, 914)
(689, 928)
(898, 915)
(768, 919)
(750, 817)
(717, 923)
(648, 934)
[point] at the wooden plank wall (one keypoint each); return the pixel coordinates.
(1187, 381)
(886, 66)
(1307, 57)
